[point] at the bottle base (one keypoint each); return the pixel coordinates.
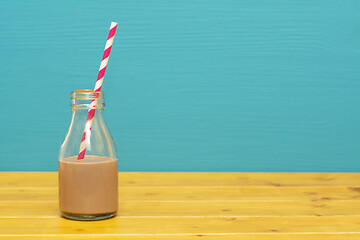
(88, 217)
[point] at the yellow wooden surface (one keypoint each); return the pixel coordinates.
(174, 206)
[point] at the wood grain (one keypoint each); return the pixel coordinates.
(49, 179)
(34, 209)
(186, 206)
(196, 193)
(191, 85)
(239, 236)
(245, 236)
(197, 225)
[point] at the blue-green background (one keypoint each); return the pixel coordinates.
(191, 85)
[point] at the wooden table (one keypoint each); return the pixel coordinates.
(174, 206)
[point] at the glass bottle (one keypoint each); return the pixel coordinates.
(88, 188)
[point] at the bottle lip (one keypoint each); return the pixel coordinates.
(86, 94)
(87, 99)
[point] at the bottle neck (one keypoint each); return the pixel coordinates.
(86, 100)
(81, 110)
(80, 116)
(98, 141)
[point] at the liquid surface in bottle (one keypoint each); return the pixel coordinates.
(88, 186)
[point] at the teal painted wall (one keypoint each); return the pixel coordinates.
(251, 85)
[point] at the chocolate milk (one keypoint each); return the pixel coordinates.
(88, 186)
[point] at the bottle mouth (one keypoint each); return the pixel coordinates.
(87, 99)
(86, 94)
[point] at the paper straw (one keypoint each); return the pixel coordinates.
(97, 88)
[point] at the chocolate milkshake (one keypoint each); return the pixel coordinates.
(88, 188)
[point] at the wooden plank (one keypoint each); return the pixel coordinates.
(181, 209)
(203, 82)
(229, 193)
(255, 209)
(196, 225)
(238, 236)
(49, 179)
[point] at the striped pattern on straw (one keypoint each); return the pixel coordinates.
(97, 88)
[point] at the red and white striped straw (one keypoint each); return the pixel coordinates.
(97, 88)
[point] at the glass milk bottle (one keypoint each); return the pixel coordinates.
(88, 188)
